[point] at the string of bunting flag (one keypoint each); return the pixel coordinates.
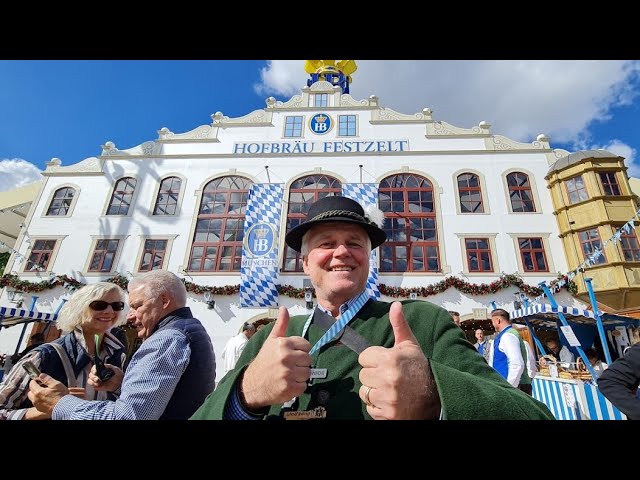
(591, 259)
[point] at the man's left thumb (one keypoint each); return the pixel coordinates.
(401, 330)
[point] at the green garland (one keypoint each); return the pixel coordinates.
(505, 281)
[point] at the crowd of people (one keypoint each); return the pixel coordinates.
(353, 357)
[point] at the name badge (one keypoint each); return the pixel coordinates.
(318, 373)
(315, 414)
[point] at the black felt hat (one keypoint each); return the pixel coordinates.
(338, 209)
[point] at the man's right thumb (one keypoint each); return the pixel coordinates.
(282, 322)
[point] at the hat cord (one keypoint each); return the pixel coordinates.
(340, 213)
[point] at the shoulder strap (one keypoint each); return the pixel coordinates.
(66, 363)
(349, 337)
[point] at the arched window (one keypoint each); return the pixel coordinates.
(61, 202)
(302, 193)
(410, 224)
(217, 243)
(470, 193)
(520, 192)
(122, 196)
(167, 201)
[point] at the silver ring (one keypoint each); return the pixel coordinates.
(366, 397)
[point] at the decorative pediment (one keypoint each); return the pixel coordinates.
(89, 165)
(257, 118)
(295, 102)
(322, 86)
(387, 115)
(149, 148)
(204, 133)
(498, 142)
(442, 129)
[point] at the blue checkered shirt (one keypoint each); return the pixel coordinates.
(151, 377)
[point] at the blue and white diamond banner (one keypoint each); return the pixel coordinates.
(259, 269)
(366, 194)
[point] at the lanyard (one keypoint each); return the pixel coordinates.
(339, 324)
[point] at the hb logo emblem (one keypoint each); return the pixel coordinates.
(320, 123)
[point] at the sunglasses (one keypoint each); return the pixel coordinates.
(99, 305)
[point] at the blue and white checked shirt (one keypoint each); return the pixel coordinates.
(148, 384)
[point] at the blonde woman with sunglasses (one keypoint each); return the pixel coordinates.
(90, 313)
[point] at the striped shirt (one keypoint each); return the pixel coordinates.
(14, 389)
(148, 384)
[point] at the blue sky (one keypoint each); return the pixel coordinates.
(68, 109)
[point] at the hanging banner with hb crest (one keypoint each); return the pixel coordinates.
(366, 194)
(259, 269)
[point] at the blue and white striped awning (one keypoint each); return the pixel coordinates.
(545, 316)
(14, 316)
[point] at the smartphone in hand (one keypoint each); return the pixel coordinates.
(33, 372)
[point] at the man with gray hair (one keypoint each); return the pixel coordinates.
(168, 377)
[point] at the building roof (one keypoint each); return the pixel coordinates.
(14, 206)
(579, 157)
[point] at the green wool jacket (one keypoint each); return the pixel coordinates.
(468, 387)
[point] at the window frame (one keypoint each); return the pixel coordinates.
(355, 125)
(134, 196)
(631, 236)
(532, 188)
(609, 183)
(141, 250)
(58, 239)
(116, 258)
(224, 219)
(51, 195)
(571, 188)
(286, 124)
(545, 236)
(482, 188)
(601, 260)
(179, 199)
(408, 216)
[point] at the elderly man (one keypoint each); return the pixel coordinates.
(356, 358)
(168, 377)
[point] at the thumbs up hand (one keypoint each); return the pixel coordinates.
(397, 383)
(281, 369)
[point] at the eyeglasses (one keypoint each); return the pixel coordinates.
(99, 305)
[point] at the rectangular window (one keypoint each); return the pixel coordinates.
(321, 100)
(347, 125)
(576, 190)
(590, 242)
(103, 255)
(610, 183)
(40, 255)
(153, 255)
(532, 255)
(630, 247)
(293, 127)
(478, 254)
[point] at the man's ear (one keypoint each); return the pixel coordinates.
(164, 298)
(305, 264)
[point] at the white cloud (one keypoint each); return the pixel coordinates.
(521, 99)
(624, 150)
(17, 173)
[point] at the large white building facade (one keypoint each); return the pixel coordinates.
(467, 211)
